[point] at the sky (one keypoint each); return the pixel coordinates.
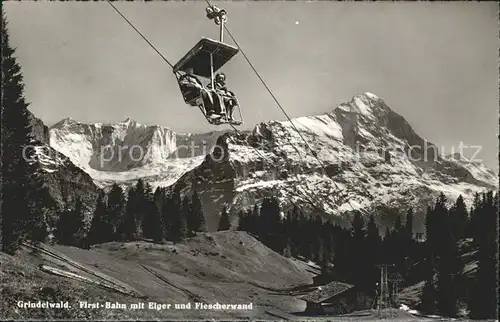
(436, 64)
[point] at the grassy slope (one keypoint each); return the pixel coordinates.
(224, 267)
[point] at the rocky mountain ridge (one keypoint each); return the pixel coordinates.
(64, 180)
(370, 159)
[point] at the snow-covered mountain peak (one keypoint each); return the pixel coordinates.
(64, 122)
(371, 96)
(369, 157)
(127, 150)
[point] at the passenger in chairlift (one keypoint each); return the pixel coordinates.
(190, 83)
(192, 88)
(228, 97)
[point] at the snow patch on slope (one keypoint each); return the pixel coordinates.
(127, 151)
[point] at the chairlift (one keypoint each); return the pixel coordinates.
(205, 59)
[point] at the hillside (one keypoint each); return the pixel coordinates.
(224, 267)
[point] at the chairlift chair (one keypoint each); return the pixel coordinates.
(206, 58)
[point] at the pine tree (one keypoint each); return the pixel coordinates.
(178, 226)
(187, 212)
(387, 249)
(398, 245)
(224, 223)
(172, 217)
(195, 217)
(148, 190)
(243, 219)
(70, 226)
(398, 225)
(409, 224)
(101, 228)
(372, 234)
(473, 229)
(79, 222)
(428, 299)
(410, 256)
(447, 291)
(64, 230)
(116, 208)
(437, 219)
(429, 226)
(166, 215)
(270, 224)
(127, 228)
(358, 226)
(319, 255)
(254, 220)
(142, 199)
(41, 206)
(343, 253)
(373, 252)
(459, 218)
(16, 137)
(152, 225)
(358, 254)
(441, 215)
(158, 197)
(317, 244)
(449, 265)
(484, 297)
(295, 233)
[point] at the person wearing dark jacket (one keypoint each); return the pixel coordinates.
(192, 88)
(228, 97)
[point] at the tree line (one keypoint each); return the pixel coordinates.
(455, 237)
(351, 252)
(138, 214)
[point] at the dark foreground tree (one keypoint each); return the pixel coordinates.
(127, 228)
(152, 226)
(428, 299)
(270, 226)
(41, 206)
(484, 297)
(116, 208)
(16, 137)
(101, 228)
(224, 223)
(70, 226)
(195, 217)
(177, 222)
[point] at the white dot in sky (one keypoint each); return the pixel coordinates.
(296, 22)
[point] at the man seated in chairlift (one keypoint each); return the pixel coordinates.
(227, 96)
(192, 88)
(190, 84)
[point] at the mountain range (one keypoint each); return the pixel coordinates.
(360, 156)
